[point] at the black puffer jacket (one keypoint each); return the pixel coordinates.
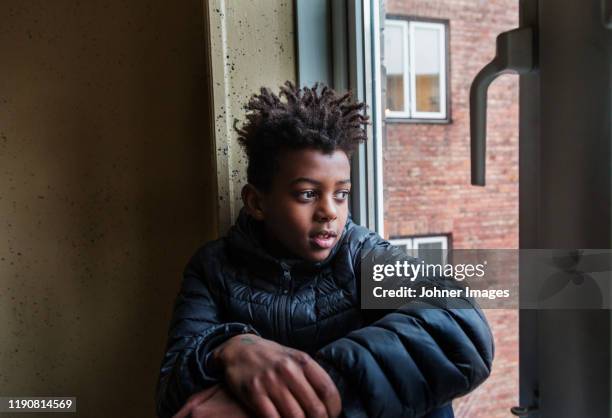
(408, 363)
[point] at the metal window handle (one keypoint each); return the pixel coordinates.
(514, 54)
(522, 411)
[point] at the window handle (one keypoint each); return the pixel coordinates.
(522, 411)
(514, 54)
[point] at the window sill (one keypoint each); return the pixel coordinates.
(447, 121)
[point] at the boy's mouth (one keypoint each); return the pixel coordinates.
(323, 239)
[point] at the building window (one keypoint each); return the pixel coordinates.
(415, 58)
(432, 249)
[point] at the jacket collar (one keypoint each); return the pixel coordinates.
(245, 242)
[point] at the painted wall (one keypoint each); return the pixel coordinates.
(107, 182)
(252, 45)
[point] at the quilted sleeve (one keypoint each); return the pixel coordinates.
(195, 330)
(410, 361)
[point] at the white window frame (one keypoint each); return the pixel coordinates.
(403, 25)
(441, 28)
(443, 239)
(408, 29)
(411, 244)
(402, 242)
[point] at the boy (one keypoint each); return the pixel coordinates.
(268, 319)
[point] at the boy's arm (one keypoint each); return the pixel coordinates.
(196, 329)
(411, 360)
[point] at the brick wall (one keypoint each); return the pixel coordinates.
(426, 166)
(495, 397)
(426, 173)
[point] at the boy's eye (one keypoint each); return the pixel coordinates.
(310, 195)
(343, 194)
(307, 195)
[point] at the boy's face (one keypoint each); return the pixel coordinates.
(307, 206)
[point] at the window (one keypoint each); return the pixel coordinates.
(360, 51)
(432, 249)
(415, 58)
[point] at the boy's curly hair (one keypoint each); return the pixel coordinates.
(309, 118)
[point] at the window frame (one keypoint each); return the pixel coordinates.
(409, 240)
(402, 242)
(404, 25)
(430, 239)
(410, 115)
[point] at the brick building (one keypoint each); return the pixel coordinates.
(433, 49)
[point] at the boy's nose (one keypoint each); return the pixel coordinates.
(327, 211)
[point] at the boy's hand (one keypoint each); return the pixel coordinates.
(277, 381)
(212, 402)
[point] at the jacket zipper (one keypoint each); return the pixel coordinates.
(283, 309)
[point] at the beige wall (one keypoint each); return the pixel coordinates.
(252, 46)
(107, 183)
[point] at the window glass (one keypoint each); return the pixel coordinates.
(430, 250)
(423, 168)
(430, 246)
(394, 63)
(427, 57)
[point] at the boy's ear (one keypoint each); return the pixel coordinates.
(253, 202)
